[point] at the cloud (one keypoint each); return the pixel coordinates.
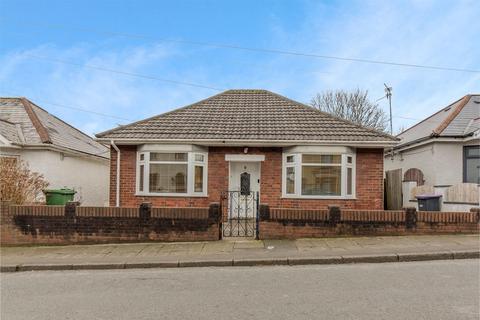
(103, 92)
(419, 32)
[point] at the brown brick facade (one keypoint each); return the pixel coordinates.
(369, 181)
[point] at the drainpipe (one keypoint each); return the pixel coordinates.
(117, 181)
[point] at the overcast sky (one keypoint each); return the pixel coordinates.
(129, 36)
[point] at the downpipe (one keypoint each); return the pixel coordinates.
(117, 180)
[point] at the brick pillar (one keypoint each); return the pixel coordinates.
(5, 216)
(214, 211)
(410, 218)
(264, 212)
(70, 209)
(145, 210)
(334, 214)
(215, 215)
(477, 211)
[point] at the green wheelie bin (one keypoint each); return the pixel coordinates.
(59, 196)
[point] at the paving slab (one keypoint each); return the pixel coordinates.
(218, 247)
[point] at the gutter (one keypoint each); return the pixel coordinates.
(429, 139)
(246, 142)
(52, 147)
(117, 180)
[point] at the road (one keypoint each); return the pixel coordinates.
(413, 290)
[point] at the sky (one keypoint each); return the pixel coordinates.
(128, 60)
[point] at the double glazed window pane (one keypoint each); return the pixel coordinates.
(290, 180)
(321, 180)
(322, 158)
(157, 156)
(168, 178)
(142, 177)
(198, 179)
(349, 181)
(472, 164)
(472, 167)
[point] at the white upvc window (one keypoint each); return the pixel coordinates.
(175, 173)
(318, 175)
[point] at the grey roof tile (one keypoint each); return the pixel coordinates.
(61, 134)
(458, 119)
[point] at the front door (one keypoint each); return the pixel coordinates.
(244, 181)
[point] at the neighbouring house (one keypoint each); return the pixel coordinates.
(64, 155)
(293, 155)
(441, 155)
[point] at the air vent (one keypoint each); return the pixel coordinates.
(476, 101)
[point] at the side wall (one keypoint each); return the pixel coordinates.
(89, 177)
(369, 181)
(440, 162)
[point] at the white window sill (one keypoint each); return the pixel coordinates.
(318, 197)
(172, 195)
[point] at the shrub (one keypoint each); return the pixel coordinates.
(18, 184)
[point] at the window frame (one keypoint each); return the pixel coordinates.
(465, 158)
(298, 164)
(191, 164)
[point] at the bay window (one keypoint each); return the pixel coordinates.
(319, 175)
(171, 173)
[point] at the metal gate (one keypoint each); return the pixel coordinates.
(239, 213)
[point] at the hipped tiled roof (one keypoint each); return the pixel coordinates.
(246, 115)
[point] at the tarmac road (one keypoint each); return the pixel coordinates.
(410, 290)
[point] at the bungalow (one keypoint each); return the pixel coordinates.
(65, 156)
(247, 141)
(441, 155)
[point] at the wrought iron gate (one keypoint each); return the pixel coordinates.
(239, 213)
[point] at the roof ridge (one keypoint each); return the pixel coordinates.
(434, 114)
(65, 123)
(444, 124)
(37, 124)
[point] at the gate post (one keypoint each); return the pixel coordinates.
(214, 211)
(145, 210)
(215, 214)
(264, 211)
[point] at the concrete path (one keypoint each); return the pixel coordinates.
(240, 253)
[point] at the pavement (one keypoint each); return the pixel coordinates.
(240, 253)
(445, 289)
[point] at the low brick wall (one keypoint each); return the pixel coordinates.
(278, 223)
(74, 224)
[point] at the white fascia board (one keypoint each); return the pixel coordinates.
(431, 140)
(68, 151)
(254, 143)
